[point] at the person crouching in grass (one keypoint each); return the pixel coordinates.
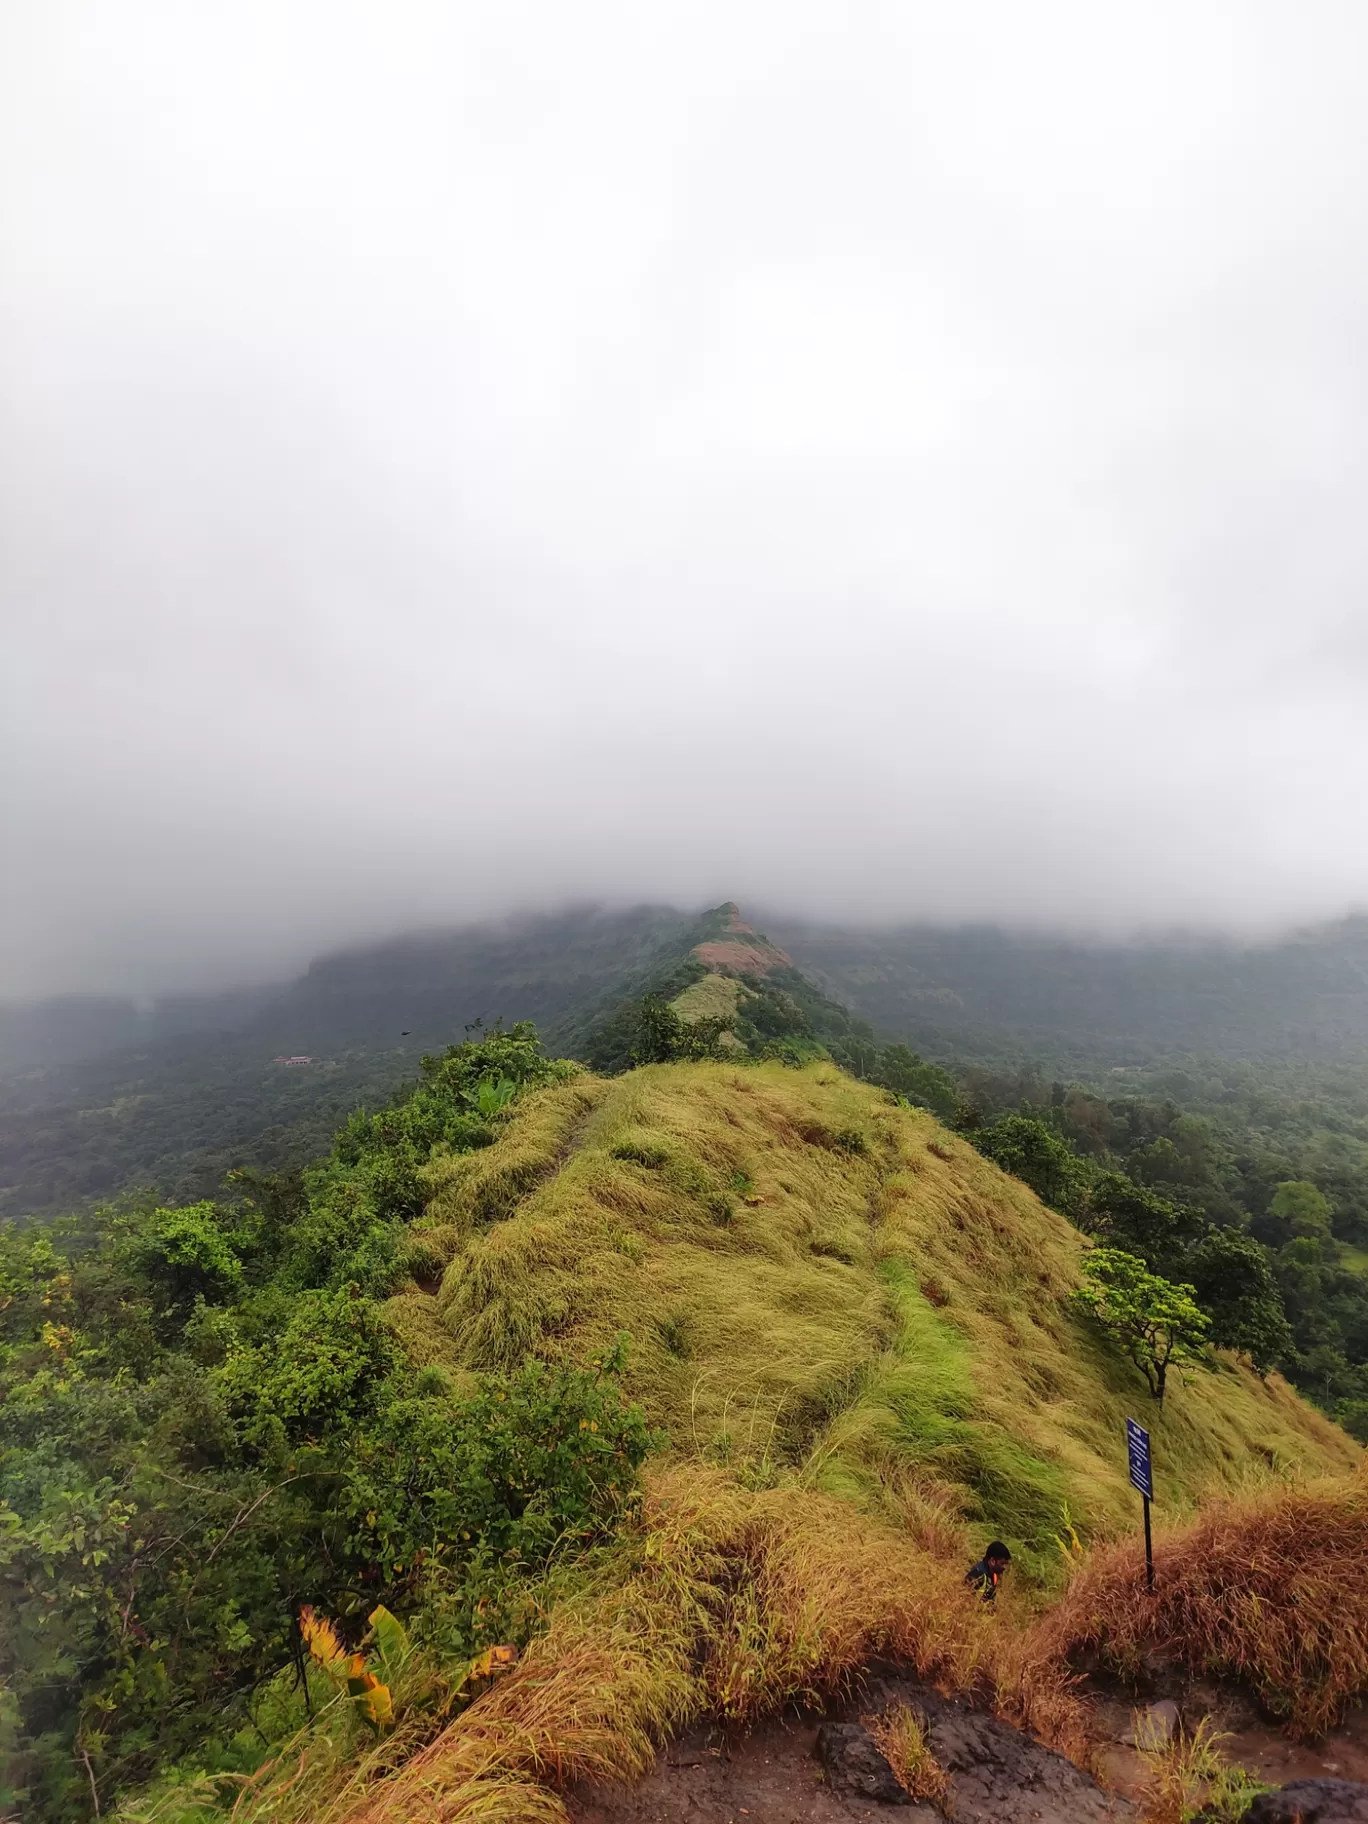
(986, 1575)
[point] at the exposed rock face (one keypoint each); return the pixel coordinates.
(1312, 1802)
(1000, 1776)
(997, 1774)
(741, 955)
(833, 1772)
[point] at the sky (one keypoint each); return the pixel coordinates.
(879, 460)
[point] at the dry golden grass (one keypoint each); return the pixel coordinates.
(729, 1601)
(467, 1189)
(901, 1738)
(857, 1333)
(1267, 1590)
(812, 1275)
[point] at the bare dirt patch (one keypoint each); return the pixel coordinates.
(746, 959)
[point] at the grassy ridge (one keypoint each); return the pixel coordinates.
(815, 1278)
(857, 1333)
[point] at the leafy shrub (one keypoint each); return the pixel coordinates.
(543, 1460)
(664, 1036)
(1037, 1154)
(205, 1424)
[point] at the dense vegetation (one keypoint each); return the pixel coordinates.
(1261, 1205)
(205, 1424)
(393, 1390)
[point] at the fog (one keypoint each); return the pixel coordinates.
(877, 460)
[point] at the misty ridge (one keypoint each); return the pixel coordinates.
(99, 1096)
(953, 988)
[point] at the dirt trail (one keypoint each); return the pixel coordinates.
(1252, 1742)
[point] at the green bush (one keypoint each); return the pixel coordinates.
(204, 1423)
(1036, 1153)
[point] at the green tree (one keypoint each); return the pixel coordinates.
(1304, 1209)
(1040, 1156)
(1139, 1220)
(664, 1036)
(925, 1085)
(1233, 1278)
(1155, 1321)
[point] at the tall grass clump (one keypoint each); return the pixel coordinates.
(1188, 1778)
(900, 1736)
(1267, 1590)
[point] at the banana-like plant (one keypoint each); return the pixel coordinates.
(372, 1697)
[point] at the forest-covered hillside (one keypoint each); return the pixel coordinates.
(83, 1111)
(994, 996)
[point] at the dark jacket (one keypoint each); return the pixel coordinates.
(984, 1579)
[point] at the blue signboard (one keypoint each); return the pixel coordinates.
(1138, 1450)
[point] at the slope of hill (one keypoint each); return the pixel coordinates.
(815, 1275)
(402, 1393)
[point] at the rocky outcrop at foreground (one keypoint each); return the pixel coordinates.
(809, 1771)
(1312, 1802)
(996, 1774)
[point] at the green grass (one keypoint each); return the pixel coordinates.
(917, 1414)
(818, 1281)
(709, 998)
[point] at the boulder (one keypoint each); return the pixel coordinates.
(1155, 1727)
(1000, 1776)
(1312, 1802)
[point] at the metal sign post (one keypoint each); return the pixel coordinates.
(1142, 1477)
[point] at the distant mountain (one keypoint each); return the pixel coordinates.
(990, 995)
(98, 1094)
(72, 1028)
(719, 966)
(154, 1099)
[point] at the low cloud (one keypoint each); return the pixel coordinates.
(902, 463)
